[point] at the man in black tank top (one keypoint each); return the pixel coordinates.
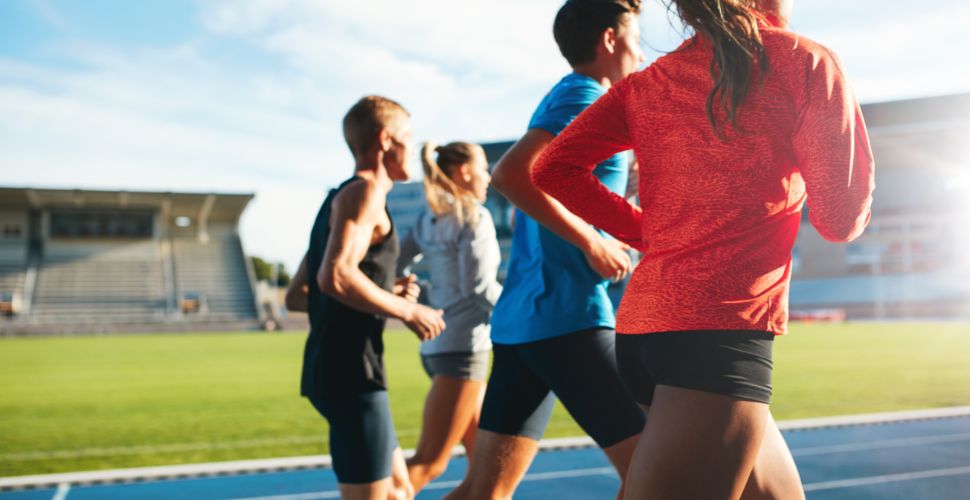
(344, 348)
(349, 275)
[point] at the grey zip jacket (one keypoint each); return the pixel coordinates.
(464, 261)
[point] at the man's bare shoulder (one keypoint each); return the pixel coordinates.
(361, 196)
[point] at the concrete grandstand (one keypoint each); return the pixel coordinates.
(912, 261)
(100, 261)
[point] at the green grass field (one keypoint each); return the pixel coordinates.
(83, 403)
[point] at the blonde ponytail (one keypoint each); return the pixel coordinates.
(443, 195)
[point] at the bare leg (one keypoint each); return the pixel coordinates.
(620, 455)
(452, 406)
(695, 434)
(378, 490)
(401, 488)
(499, 463)
(468, 440)
(775, 475)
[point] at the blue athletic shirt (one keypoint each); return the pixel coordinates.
(550, 290)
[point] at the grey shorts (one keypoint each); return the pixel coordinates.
(462, 365)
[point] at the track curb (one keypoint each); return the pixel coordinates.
(214, 469)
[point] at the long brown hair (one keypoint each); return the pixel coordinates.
(443, 195)
(739, 54)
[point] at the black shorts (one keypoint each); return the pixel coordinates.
(362, 438)
(735, 363)
(579, 368)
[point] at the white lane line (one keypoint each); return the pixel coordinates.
(806, 424)
(234, 467)
(876, 445)
(166, 448)
(888, 478)
(539, 476)
(444, 485)
(893, 417)
(243, 466)
(166, 472)
(874, 418)
(62, 490)
(300, 496)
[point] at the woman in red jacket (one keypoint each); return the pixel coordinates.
(734, 132)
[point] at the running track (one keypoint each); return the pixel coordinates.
(924, 455)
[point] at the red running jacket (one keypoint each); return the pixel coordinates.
(718, 218)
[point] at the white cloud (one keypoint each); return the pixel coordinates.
(277, 222)
(474, 38)
(240, 18)
(49, 14)
(167, 121)
(466, 70)
(896, 50)
(264, 117)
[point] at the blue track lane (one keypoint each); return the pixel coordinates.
(907, 460)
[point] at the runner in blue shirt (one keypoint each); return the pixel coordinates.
(552, 328)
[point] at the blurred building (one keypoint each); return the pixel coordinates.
(912, 261)
(91, 261)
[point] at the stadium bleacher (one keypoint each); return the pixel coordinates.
(101, 261)
(100, 283)
(13, 276)
(217, 270)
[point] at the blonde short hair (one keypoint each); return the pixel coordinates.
(366, 118)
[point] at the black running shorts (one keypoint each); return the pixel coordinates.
(362, 438)
(735, 363)
(579, 368)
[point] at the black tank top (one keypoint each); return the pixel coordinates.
(344, 351)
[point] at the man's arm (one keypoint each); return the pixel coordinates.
(513, 178)
(357, 211)
(296, 293)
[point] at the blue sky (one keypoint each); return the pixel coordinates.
(247, 95)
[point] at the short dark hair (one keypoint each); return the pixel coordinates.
(580, 23)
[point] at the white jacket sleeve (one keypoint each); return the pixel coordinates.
(478, 259)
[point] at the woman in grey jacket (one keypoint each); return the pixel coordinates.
(456, 236)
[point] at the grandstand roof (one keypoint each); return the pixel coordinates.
(925, 133)
(920, 111)
(221, 206)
